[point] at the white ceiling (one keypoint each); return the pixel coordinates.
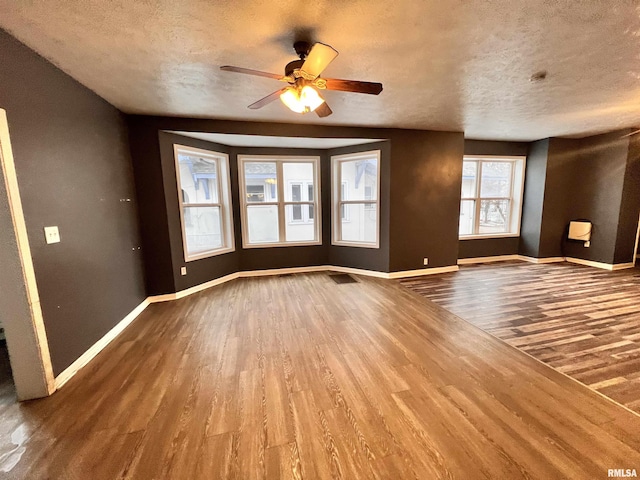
(235, 140)
(445, 65)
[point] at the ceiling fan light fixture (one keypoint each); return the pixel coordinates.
(303, 100)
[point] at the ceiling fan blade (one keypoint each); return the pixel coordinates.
(323, 110)
(248, 71)
(371, 88)
(635, 132)
(266, 100)
(319, 58)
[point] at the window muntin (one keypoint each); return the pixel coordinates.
(285, 213)
(491, 196)
(356, 199)
(205, 202)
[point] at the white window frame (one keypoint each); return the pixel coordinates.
(337, 200)
(224, 201)
(515, 198)
(280, 160)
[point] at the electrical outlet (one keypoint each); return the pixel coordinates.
(426, 261)
(587, 243)
(51, 234)
(183, 270)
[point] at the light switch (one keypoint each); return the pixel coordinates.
(183, 270)
(51, 234)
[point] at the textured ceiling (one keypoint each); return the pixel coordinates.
(445, 65)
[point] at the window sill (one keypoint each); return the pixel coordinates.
(213, 253)
(284, 244)
(479, 237)
(353, 244)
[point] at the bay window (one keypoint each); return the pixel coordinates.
(205, 202)
(356, 199)
(280, 198)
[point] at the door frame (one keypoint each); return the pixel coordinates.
(24, 326)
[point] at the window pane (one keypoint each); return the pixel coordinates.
(467, 214)
(344, 212)
(198, 179)
(262, 221)
(296, 193)
(494, 216)
(496, 179)
(469, 173)
(296, 173)
(356, 176)
(296, 230)
(311, 199)
(202, 227)
(360, 223)
(296, 212)
(260, 181)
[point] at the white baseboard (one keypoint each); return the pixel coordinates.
(358, 271)
(282, 271)
(195, 289)
(541, 260)
(502, 258)
(623, 266)
(496, 258)
(579, 261)
(604, 266)
(423, 271)
(97, 347)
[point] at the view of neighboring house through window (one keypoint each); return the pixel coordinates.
(356, 199)
(205, 202)
(491, 201)
(280, 200)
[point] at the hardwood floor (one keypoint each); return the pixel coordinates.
(582, 321)
(299, 377)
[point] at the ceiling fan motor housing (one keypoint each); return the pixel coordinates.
(302, 49)
(291, 66)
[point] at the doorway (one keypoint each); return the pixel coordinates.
(20, 312)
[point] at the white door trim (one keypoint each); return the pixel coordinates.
(26, 335)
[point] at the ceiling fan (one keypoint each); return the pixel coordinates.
(635, 132)
(303, 77)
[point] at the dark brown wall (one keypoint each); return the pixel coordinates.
(487, 247)
(594, 178)
(73, 163)
(487, 147)
(426, 180)
(154, 225)
(205, 269)
(285, 257)
(584, 180)
(533, 199)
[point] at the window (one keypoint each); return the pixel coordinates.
(279, 198)
(205, 202)
(491, 200)
(356, 199)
